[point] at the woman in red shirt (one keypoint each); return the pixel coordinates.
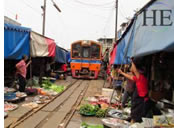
(22, 72)
(140, 95)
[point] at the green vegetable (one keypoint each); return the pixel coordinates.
(85, 125)
(56, 88)
(129, 104)
(101, 113)
(46, 84)
(89, 109)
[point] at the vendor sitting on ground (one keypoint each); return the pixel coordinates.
(140, 98)
(22, 72)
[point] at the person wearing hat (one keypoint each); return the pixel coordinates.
(140, 98)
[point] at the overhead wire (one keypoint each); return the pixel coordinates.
(123, 8)
(28, 5)
(85, 10)
(90, 4)
(11, 12)
(107, 22)
(122, 15)
(103, 6)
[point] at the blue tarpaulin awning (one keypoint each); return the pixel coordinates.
(16, 41)
(68, 57)
(60, 56)
(149, 39)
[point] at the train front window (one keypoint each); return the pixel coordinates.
(86, 52)
(76, 48)
(95, 51)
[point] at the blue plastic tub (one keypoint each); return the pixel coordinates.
(9, 96)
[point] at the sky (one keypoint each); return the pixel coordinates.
(79, 19)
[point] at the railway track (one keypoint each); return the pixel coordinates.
(58, 111)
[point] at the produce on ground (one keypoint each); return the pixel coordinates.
(31, 105)
(56, 88)
(85, 125)
(88, 109)
(9, 107)
(101, 113)
(115, 123)
(46, 84)
(42, 99)
(21, 94)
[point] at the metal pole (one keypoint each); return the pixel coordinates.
(44, 17)
(116, 18)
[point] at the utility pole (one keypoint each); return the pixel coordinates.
(44, 17)
(116, 18)
(44, 14)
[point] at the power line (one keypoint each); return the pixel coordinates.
(107, 22)
(123, 8)
(85, 10)
(11, 12)
(89, 4)
(28, 5)
(102, 6)
(121, 13)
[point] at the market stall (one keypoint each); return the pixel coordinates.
(148, 47)
(41, 46)
(16, 44)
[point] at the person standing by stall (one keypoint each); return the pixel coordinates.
(116, 80)
(22, 72)
(128, 90)
(140, 98)
(106, 58)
